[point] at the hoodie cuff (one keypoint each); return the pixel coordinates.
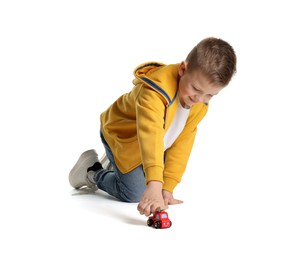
(169, 184)
(154, 173)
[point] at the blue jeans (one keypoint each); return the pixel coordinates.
(127, 187)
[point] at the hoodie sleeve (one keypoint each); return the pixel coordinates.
(177, 156)
(150, 112)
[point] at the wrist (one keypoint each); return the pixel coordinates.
(155, 184)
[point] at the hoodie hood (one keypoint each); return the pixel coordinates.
(162, 78)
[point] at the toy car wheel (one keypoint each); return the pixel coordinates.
(157, 224)
(170, 224)
(149, 222)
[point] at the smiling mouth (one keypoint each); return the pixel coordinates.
(193, 101)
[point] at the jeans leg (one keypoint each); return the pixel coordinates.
(127, 187)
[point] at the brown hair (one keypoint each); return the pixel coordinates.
(215, 58)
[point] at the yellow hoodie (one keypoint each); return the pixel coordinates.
(135, 124)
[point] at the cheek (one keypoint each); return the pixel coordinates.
(185, 91)
(182, 91)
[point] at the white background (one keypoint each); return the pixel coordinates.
(63, 62)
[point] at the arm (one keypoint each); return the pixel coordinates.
(157, 196)
(177, 156)
(150, 111)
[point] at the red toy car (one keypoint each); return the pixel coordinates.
(159, 220)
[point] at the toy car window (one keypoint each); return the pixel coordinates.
(164, 215)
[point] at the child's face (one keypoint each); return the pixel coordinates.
(194, 87)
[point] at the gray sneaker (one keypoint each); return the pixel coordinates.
(78, 175)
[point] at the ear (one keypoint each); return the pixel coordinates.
(182, 68)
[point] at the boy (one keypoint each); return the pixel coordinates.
(149, 132)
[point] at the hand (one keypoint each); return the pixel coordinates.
(169, 199)
(152, 199)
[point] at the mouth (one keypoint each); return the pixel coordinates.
(192, 100)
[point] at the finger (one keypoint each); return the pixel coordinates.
(167, 202)
(147, 211)
(175, 201)
(159, 209)
(142, 207)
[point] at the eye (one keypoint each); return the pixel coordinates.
(196, 89)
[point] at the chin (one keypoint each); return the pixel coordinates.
(190, 103)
